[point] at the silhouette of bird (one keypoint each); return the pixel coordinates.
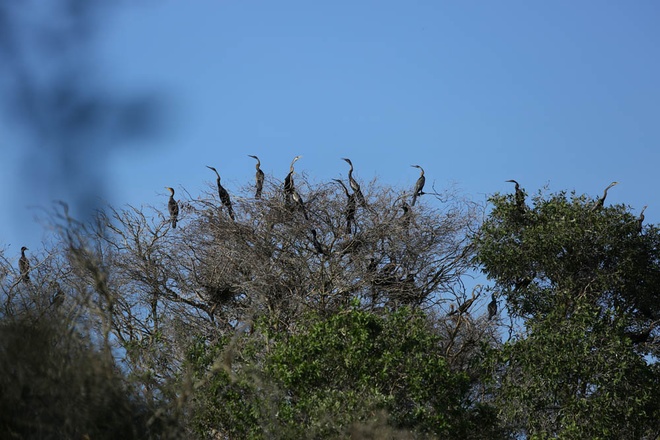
(601, 201)
(173, 207)
(289, 186)
(465, 306)
(520, 196)
(419, 186)
(258, 178)
(350, 207)
(643, 336)
(318, 247)
(224, 195)
(640, 220)
(355, 185)
(24, 266)
(492, 307)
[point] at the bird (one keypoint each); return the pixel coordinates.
(318, 247)
(350, 207)
(640, 219)
(520, 196)
(24, 266)
(173, 207)
(601, 201)
(288, 181)
(643, 336)
(419, 186)
(463, 307)
(224, 195)
(259, 178)
(492, 307)
(299, 201)
(354, 185)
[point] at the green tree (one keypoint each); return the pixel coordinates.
(582, 279)
(340, 373)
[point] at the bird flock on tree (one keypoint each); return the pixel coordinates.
(293, 198)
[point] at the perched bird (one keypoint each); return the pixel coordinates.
(24, 266)
(419, 186)
(289, 186)
(601, 201)
(463, 307)
(259, 178)
(492, 307)
(520, 196)
(350, 207)
(355, 185)
(173, 207)
(224, 195)
(640, 220)
(318, 247)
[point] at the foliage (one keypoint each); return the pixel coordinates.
(582, 279)
(347, 370)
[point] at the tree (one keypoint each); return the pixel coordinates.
(582, 280)
(340, 373)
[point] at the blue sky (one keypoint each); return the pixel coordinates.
(565, 94)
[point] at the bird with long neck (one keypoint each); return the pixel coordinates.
(223, 194)
(601, 201)
(640, 220)
(173, 207)
(289, 186)
(354, 184)
(258, 178)
(24, 266)
(419, 186)
(350, 207)
(520, 196)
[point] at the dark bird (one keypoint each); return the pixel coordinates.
(224, 195)
(600, 202)
(299, 201)
(463, 307)
(355, 185)
(640, 219)
(289, 187)
(492, 307)
(173, 207)
(258, 178)
(24, 266)
(351, 207)
(318, 247)
(419, 186)
(406, 212)
(520, 196)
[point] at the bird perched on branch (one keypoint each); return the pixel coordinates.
(463, 307)
(419, 186)
(492, 307)
(173, 207)
(258, 178)
(223, 194)
(520, 196)
(289, 186)
(355, 185)
(24, 266)
(350, 207)
(601, 201)
(640, 220)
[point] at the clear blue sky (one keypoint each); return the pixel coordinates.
(561, 93)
